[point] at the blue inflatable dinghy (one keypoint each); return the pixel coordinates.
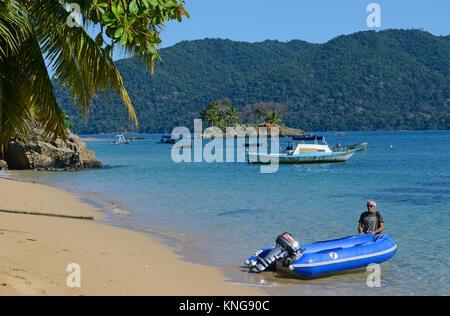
(324, 257)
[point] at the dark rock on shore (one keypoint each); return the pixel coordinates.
(40, 153)
(3, 165)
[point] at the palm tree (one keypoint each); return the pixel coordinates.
(35, 31)
(232, 115)
(273, 118)
(214, 116)
(220, 113)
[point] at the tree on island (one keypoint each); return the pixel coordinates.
(273, 118)
(232, 115)
(212, 115)
(221, 114)
(264, 112)
(35, 31)
(260, 114)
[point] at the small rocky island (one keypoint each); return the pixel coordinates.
(247, 130)
(41, 153)
(259, 120)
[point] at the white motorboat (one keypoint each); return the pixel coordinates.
(304, 152)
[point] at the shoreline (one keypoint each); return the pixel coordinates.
(36, 251)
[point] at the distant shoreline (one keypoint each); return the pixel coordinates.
(92, 139)
(82, 135)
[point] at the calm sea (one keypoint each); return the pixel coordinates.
(220, 213)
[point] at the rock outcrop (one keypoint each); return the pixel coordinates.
(3, 165)
(40, 153)
(290, 132)
(250, 130)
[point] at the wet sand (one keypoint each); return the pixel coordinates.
(37, 250)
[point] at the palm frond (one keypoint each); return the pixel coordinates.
(76, 59)
(42, 99)
(12, 29)
(14, 106)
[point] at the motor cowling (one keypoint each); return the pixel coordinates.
(288, 243)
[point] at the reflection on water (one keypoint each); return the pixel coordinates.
(223, 212)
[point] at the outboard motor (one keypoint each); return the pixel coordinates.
(290, 245)
(287, 250)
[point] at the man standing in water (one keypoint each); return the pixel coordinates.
(371, 222)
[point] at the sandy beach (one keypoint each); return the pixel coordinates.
(37, 250)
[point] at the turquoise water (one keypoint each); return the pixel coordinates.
(221, 213)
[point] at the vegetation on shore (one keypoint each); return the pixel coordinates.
(222, 114)
(392, 79)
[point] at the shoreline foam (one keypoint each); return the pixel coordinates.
(114, 261)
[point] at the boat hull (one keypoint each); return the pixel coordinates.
(301, 158)
(328, 257)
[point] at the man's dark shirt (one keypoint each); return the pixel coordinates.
(370, 222)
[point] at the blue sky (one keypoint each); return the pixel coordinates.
(311, 20)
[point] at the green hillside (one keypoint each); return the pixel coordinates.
(394, 79)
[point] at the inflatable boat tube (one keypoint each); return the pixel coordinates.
(332, 256)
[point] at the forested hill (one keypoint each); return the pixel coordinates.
(394, 79)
